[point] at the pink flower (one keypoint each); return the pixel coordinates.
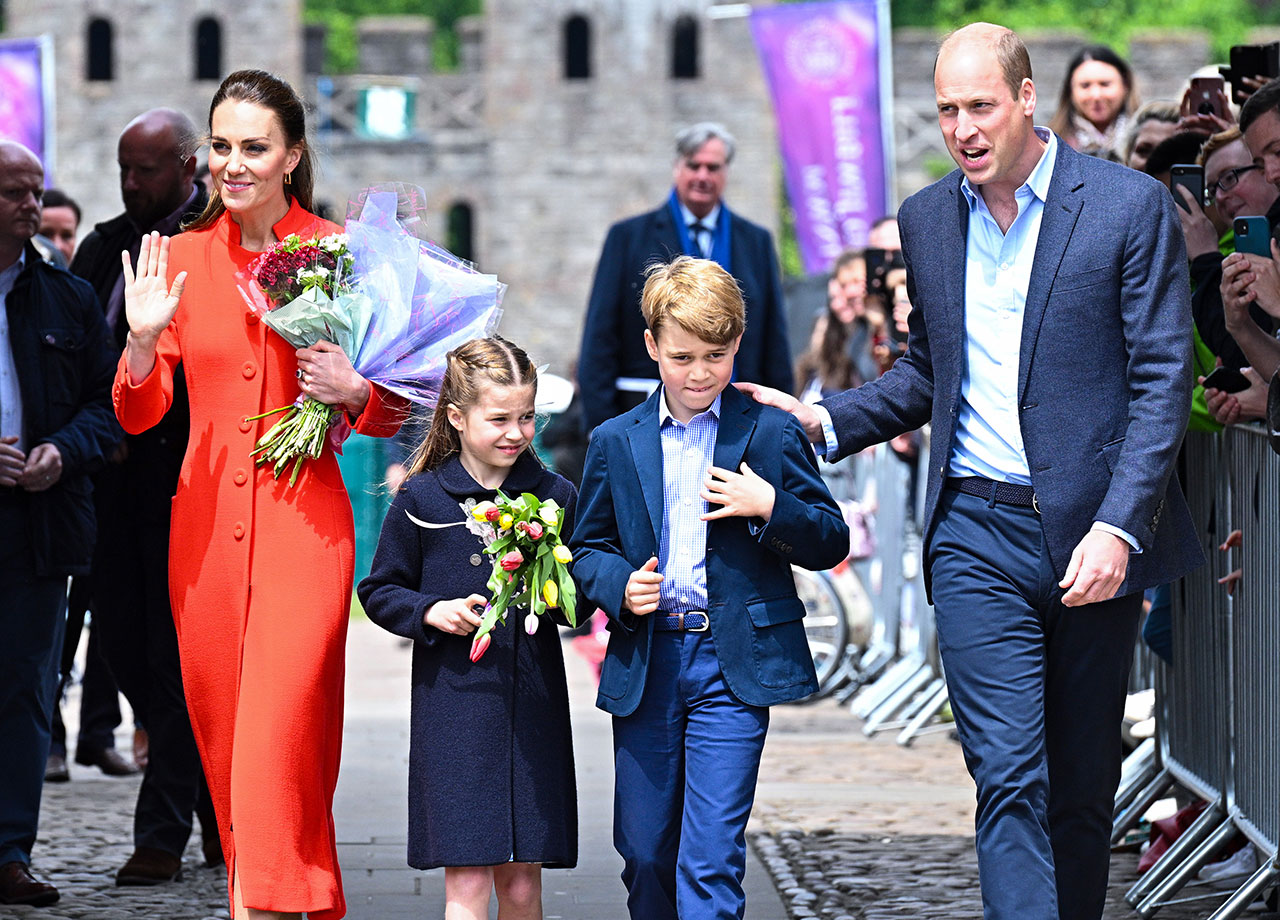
(479, 647)
(534, 530)
(492, 514)
(511, 561)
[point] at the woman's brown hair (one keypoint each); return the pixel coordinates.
(468, 367)
(269, 92)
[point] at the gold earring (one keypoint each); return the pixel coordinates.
(288, 178)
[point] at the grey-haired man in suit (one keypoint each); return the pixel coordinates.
(1050, 349)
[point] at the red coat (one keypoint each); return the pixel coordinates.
(260, 577)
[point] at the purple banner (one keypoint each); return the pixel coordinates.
(823, 63)
(24, 105)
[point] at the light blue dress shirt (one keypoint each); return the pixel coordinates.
(11, 418)
(687, 451)
(988, 436)
(702, 239)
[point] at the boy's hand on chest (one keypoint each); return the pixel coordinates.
(740, 494)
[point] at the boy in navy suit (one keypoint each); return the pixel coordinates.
(693, 508)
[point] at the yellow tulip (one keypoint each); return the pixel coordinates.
(551, 593)
(481, 511)
(506, 521)
(549, 515)
(561, 554)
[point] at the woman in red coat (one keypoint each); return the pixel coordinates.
(260, 572)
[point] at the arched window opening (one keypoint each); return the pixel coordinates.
(100, 61)
(577, 48)
(684, 49)
(208, 49)
(458, 231)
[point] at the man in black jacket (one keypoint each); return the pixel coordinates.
(56, 426)
(615, 372)
(130, 566)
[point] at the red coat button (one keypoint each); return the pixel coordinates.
(246, 425)
(251, 318)
(248, 370)
(238, 531)
(241, 477)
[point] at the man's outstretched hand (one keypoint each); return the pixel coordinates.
(805, 415)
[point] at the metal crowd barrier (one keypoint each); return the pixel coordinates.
(1218, 706)
(909, 690)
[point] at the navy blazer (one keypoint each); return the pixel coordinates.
(613, 332)
(1104, 376)
(755, 613)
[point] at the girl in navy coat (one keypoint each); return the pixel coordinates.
(492, 795)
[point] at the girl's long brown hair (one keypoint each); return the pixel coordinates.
(269, 92)
(491, 360)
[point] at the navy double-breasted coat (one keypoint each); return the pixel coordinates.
(491, 775)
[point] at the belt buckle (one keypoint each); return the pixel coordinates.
(706, 622)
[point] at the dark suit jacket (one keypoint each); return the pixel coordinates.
(1104, 379)
(613, 333)
(755, 613)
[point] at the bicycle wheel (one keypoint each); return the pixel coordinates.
(825, 625)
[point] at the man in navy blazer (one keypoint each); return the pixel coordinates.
(615, 373)
(1050, 349)
(693, 508)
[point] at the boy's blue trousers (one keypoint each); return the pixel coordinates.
(685, 778)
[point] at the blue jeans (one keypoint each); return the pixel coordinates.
(1038, 693)
(685, 767)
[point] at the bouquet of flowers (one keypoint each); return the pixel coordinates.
(530, 564)
(394, 302)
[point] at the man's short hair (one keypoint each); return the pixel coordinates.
(1011, 54)
(1217, 141)
(690, 140)
(57, 198)
(1260, 103)
(695, 294)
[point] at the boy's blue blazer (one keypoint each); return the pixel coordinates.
(755, 614)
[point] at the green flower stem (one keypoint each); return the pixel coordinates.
(299, 435)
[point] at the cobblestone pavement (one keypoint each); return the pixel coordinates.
(853, 828)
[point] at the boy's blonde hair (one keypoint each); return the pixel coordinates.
(695, 294)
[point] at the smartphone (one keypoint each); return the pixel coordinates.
(1253, 235)
(1251, 61)
(1205, 96)
(1226, 379)
(1189, 176)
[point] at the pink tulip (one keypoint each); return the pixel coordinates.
(511, 561)
(531, 623)
(492, 514)
(534, 530)
(479, 647)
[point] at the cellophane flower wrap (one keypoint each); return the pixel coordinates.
(530, 564)
(393, 301)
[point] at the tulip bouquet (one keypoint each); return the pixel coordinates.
(530, 564)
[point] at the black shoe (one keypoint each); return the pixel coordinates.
(108, 760)
(19, 886)
(149, 866)
(55, 769)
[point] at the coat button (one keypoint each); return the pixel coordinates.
(245, 425)
(251, 318)
(475, 559)
(49, 339)
(238, 531)
(241, 477)
(248, 370)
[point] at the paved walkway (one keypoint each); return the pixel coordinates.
(849, 828)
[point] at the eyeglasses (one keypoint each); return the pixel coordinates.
(1228, 180)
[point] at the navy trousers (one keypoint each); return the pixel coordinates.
(685, 767)
(1038, 693)
(32, 623)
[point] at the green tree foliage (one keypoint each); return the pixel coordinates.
(341, 17)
